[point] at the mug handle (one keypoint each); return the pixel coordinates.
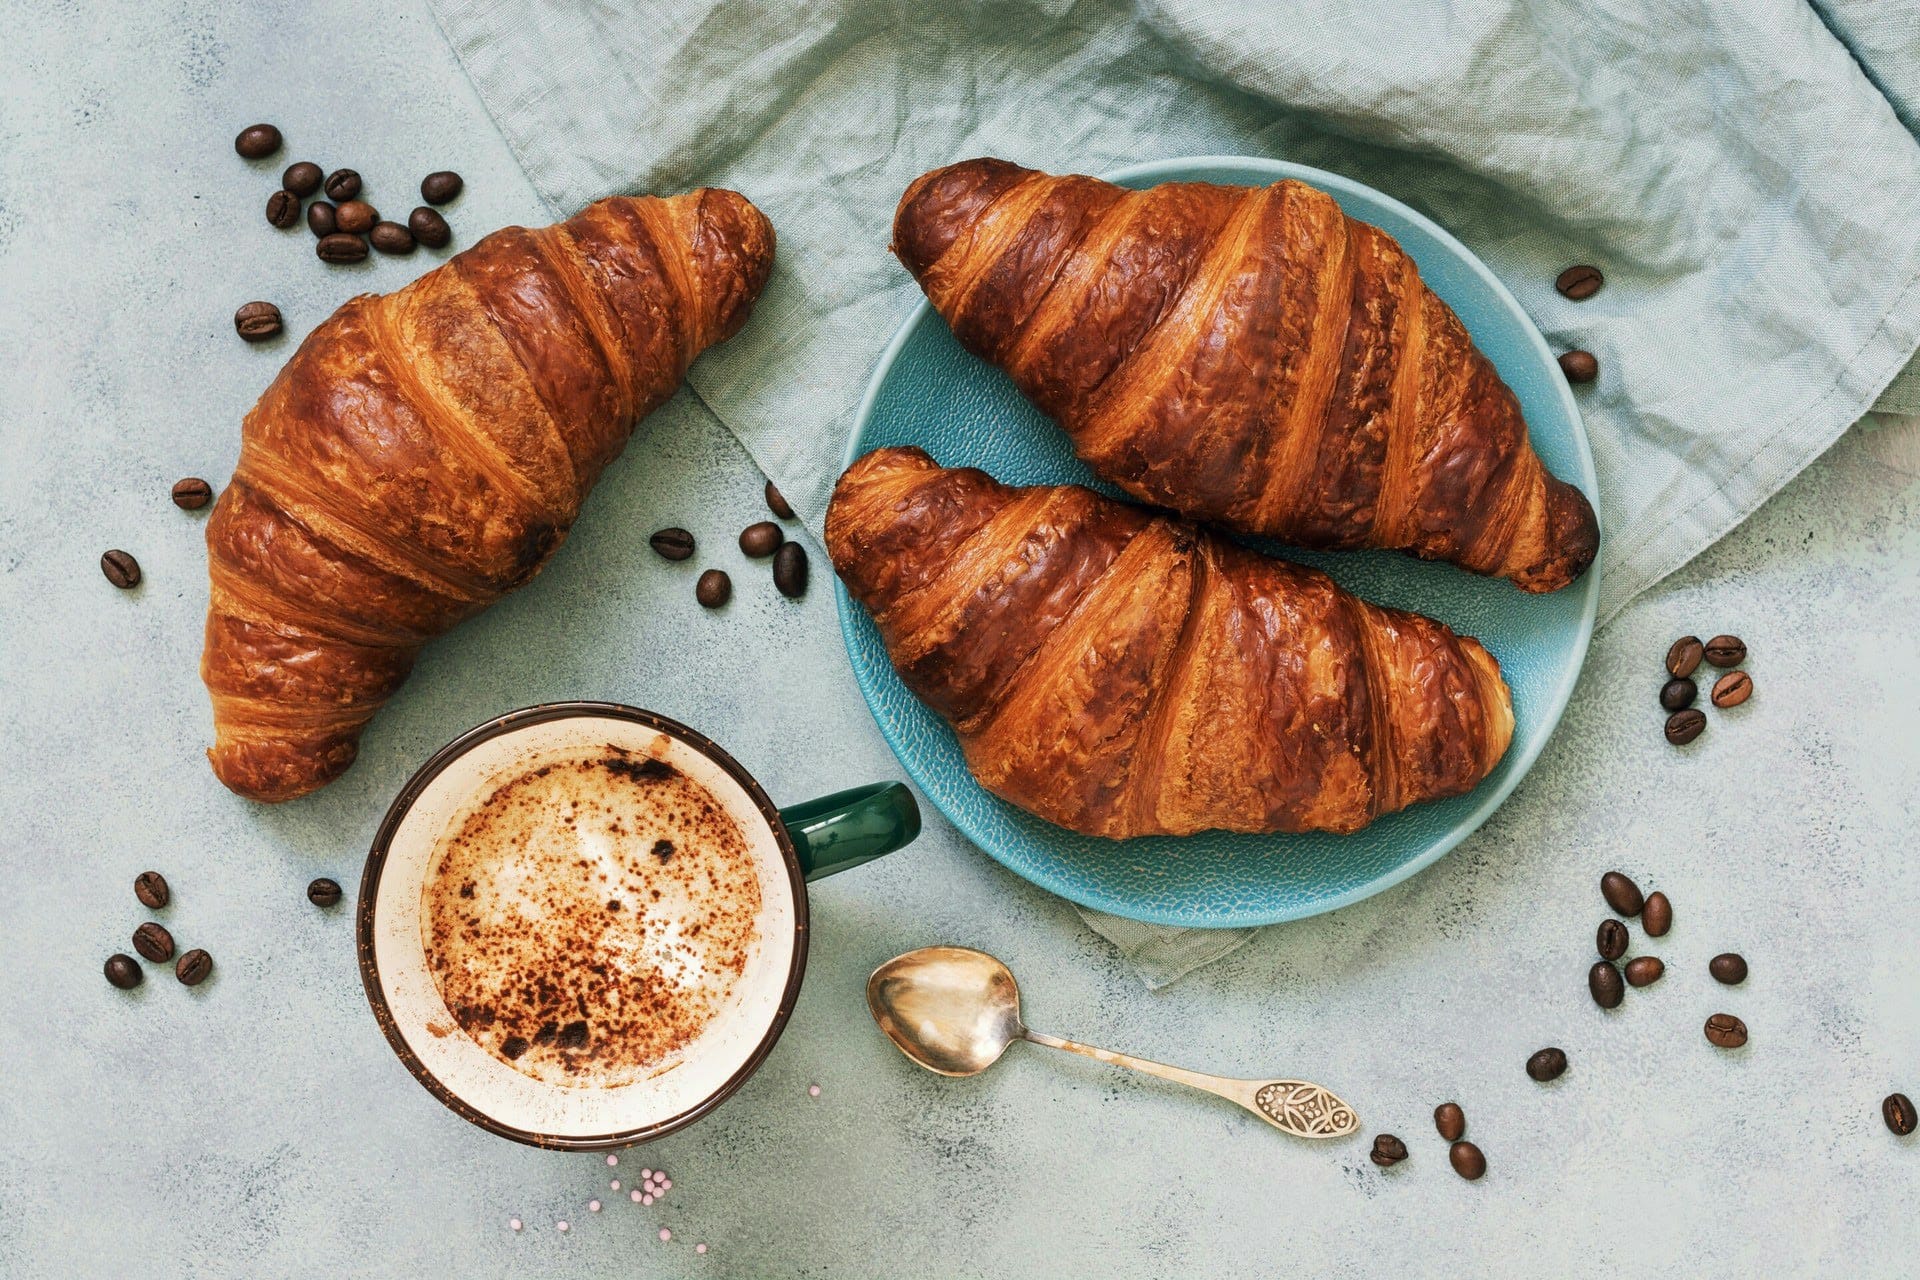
(851, 827)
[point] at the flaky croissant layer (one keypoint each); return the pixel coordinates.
(1122, 674)
(426, 451)
(1247, 356)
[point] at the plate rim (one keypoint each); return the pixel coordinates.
(1181, 168)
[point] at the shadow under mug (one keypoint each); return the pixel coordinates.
(790, 847)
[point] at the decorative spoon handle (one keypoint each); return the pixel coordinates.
(1297, 1107)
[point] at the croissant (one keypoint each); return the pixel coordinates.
(1247, 356)
(1122, 673)
(426, 451)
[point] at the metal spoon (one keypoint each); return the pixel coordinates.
(955, 1011)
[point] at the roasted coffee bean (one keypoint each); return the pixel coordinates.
(1657, 916)
(1724, 1031)
(1387, 1151)
(1579, 282)
(283, 209)
(1603, 980)
(151, 888)
(122, 570)
(1684, 658)
(1644, 971)
(302, 178)
(1678, 693)
(193, 967)
(1548, 1064)
(154, 942)
(1732, 689)
(1611, 939)
(1579, 366)
(1896, 1110)
(1728, 967)
(440, 186)
(714, 589)
(1684, 726)
(1622, 894)
(257, 141)
(1450, 1120)
(672, 544)
(341, 247)
(192, 493)
(322, 218)
(342, 184)
(355, 217)
(123, 971)
(257, 321)
(1726, 651)
(777, 503)
(762, 539)
(429, 228)
(324, 892)
(1467, 1160)
(790, 570)
(391, 237)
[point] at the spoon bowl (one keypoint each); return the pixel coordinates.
(951, 1009)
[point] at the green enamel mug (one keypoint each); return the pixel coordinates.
(785, 848)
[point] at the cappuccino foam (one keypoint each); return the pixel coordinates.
(590, 916)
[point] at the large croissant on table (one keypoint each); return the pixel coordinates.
(1122, 673)
(425, 451)
(1247, 356)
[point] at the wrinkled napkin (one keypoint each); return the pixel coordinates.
(1745, 173)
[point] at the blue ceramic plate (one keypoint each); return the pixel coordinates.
(928, 392)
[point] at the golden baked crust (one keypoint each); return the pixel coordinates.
(425, 451)
(1248, 356)
(1122, 674)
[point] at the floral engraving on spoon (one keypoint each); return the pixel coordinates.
(1306, 1109)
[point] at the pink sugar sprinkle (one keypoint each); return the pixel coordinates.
(665, 1234)
(634, 1196)
(593, 1206)
(646, 1199)
(699, 1248)
(666, 1184)
(646, 1173)
(514, 1223)
(813, 1091)
(559, 1226)
(612, 1160)
(614, 1185)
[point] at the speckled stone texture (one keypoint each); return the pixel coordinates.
(259, 1126)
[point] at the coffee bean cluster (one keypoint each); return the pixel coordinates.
(1608, 980)
(154, 941)
(758, 541)
(344, 224)
(1578, 283)
(1685, 722)
(1451, 1123)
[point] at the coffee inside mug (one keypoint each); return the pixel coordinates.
(723, 950)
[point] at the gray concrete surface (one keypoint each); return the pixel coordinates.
(259, 1126)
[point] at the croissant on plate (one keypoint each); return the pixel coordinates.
(1122, 673)
(425, 451)
(1246, 356)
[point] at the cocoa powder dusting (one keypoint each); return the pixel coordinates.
(590, 917)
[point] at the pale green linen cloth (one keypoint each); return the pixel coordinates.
(1735, 167)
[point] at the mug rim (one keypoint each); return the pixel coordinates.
(542, 713)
